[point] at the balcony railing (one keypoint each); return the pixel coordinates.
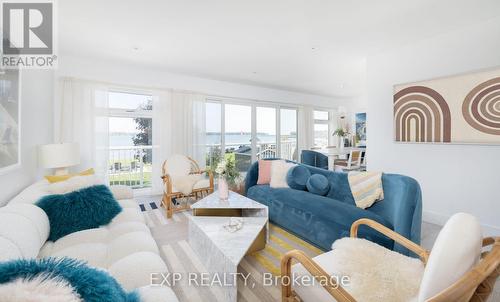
(130, 166)
(243, 153)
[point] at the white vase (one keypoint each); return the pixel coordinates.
(341, 143)
(223, 189)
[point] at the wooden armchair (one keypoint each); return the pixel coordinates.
(179, 166)
(476, 284)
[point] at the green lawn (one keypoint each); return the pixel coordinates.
(133, 179)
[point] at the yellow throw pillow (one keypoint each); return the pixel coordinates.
(58, 178)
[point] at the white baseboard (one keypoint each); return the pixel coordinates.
(439, 219)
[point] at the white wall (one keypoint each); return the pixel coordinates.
(37, 88)
(146, 77)
(454, 178)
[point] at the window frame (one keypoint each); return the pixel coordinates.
(122, 112)
(113, 112)
(254, 104)
(328, 122)
(276, 129)
(278, 138)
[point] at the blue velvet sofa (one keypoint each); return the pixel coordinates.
(321, 220)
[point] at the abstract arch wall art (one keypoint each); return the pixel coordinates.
(456, 109)
(422, 115)
(481, 108)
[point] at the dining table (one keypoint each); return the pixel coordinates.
(334, 153)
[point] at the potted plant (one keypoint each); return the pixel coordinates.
(228, 175)
(341, 133)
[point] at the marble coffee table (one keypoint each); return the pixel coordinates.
(236, 206)
(221, 250)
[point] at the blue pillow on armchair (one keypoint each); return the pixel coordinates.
(318, 184)
(84, 209)
(297, 177)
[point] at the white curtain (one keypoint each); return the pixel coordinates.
(188, 125)
(162, 132)
(306, 129)
(333, 124)
(81, 116)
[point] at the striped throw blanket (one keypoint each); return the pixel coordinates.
(366, 187)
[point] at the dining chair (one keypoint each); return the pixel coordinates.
(363, 161)
(352, 163)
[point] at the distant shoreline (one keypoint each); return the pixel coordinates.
(120, 139)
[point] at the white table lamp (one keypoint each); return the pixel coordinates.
(59, 157)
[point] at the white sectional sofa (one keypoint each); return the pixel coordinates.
(124, 248)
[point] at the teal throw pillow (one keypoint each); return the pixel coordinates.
(318, 184)
(297, 177)
(84, 209)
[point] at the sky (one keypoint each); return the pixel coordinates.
(238, 119)
(122, 125)
(125, 101)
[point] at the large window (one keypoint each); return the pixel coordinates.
(246, 132)
(238, 134)
(213, 128)
(321, 128)
(266, 132)
(288, 134)
(130, 139)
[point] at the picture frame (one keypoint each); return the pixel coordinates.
(460, 109)
(360, 124)
(10, 120)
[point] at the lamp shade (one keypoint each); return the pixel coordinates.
(59, 155)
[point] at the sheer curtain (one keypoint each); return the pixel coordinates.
(81, 110)
(162, 132)
(188, 125)
(306, 129)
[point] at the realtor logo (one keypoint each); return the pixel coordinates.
(28, 34)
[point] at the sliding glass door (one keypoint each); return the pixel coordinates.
(288, 134)
(238, 135)
(213, 126)
(247, 132)
(266, 132)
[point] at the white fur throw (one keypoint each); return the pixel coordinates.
(74, 183)
(375, 273)
(279, 171)
(38, 289)
(185, 184)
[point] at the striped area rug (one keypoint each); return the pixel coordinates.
(172, 238)
(280, 242)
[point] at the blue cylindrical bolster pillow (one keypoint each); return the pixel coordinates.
(318, 184)
(297, 177)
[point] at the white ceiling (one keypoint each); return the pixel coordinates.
(310, 46)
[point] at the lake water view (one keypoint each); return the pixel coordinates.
(125, 139)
